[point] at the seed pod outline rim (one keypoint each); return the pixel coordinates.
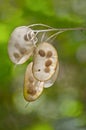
(55, 65)
(13, 39)
(28, 97)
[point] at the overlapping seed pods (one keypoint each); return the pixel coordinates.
(43, 71)
(33, 86)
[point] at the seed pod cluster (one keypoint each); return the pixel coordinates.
(43, 71)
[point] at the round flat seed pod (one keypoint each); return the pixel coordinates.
(21, 44)
(32, 87)
(51, 81)
(45, 61)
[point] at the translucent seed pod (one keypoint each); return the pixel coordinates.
(21, 44)
(32, 87)
(44, 62)
(51, 81)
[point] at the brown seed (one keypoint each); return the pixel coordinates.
(41, 53)
(30, 90)
(49, 54)
(47, 69)
(48, 63)
(31, 79)
(17, 46)
(29, 36)
(25, 38)
(16, 55)
(22, 50)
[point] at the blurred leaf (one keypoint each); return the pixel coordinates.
(4, 33)
(70, 108)
(69, 124)
(42, 126)
(67, 97)
(43, 6)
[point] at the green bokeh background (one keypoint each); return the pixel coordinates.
(62, 106)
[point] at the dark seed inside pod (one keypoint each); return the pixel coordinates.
(49, 54)
(29, 36)
(31, 90)
(22, 50)
(41, 53)
(47, 70)
(16, 55)
(31, 79)
(17, 46)
(48, 63)
(25, 37)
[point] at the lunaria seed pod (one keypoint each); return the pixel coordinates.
(32, 87)
(21, 44)
(51, 81)
(45, 62)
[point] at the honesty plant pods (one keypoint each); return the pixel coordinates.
(32, 87)
(21, 44)
(43, 71)
(45, 62)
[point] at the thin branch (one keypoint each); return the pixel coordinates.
(57, 33)
(40, 24)
(55, 29)
(61, 29)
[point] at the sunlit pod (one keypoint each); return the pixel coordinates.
(21, 44)
(45, 62)
(32, 87)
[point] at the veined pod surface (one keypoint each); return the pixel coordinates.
(21, 44)
(45, 61)
(32, 87)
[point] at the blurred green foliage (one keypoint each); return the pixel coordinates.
(63, 106)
